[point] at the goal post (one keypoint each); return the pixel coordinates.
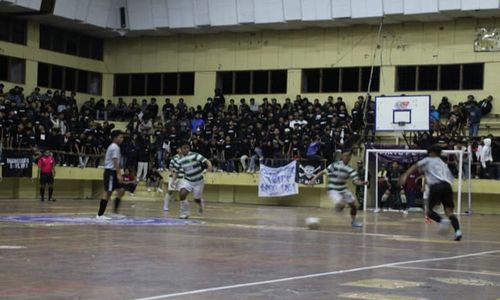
(375, 154)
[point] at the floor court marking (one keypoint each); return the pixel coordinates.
(228, 287)
(448, 270)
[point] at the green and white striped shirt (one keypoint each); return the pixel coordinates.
(174, 166)
(191, 166)
(338, 173)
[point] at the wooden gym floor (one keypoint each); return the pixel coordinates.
(242, 252)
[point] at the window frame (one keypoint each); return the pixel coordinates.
(340, 79)
(439, 79)
(163, 85)
(66, 35)
(9, 63)
(219, 82)
(78, 74)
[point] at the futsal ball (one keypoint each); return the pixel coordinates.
(312, 222)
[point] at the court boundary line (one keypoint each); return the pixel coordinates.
(486, 273)
(323, 274)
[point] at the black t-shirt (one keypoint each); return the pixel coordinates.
(229, 151)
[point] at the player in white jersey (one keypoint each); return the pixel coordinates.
(112, 175)
(191, 166)
(338, 174)
(439, 179)
(171, 188)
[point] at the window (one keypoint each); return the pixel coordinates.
(242, 83)
(64, 78)
(170, 83)
(428, 78)
(311, 79)
(406, 78)
(225, 81)
(472, 76)
(12, 69)
(12, 30)
(253, 82)
(440, 77)
(138, 85)
(70, 79)
(350, 80)
(449, 77)
(122, 85)
(279, 81)
(335, 80)
(260, 82)
(330, 80)
(154, 84)
(186, 83)
(71, 43)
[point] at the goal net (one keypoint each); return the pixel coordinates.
(387, 163)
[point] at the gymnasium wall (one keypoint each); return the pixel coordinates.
(32, 53)
(402, 44)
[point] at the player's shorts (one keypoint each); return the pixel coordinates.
(111, 181)
(171, 187)
(196, 188)
(46, 178)
(339, 197)
(441, 193)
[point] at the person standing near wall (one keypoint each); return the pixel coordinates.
(46, 174)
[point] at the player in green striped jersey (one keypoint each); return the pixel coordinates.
(338, 174)
(191, 166)
(171, 188)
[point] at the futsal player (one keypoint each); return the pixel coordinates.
(46, 174)
(171, 188)
(112, 175)
(438, 179)
(191, 165)
(338, 174)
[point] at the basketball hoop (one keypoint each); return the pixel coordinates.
(401, 124)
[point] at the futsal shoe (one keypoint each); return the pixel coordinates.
(355, 224)
(53, 200)
(102, 218)
(184, 216)
(458, 235)
(201, 205)
(444, 226)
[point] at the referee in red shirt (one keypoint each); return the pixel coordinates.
(46, 173)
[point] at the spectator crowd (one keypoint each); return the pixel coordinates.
(236, 136)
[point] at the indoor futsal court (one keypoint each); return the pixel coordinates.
(249, 149)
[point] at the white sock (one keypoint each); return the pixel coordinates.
(184, 207)
(166, 201)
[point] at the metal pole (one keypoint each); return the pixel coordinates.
(460, 170)
(365, 194)
(376, 181)
(469, 183)
(379, 36)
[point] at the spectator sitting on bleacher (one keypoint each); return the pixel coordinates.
(154, 180)
(129, 183)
